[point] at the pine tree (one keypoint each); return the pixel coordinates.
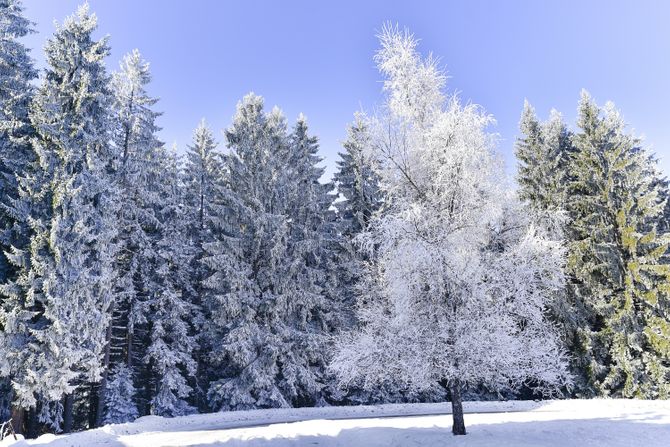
(16, 157)
(616, 255)
(202, 179)
(63, 294)
(357, 181)
(266, 298)
(137, 170)
(360, 198)
(544, 152)
(171, 314)
(312, 248)
(16, 74)
(120, 396)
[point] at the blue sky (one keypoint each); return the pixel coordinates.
(315, 57)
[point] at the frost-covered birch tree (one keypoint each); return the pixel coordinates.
(459, 279)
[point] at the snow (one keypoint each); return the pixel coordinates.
(598, 422)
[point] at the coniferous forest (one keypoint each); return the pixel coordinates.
(139, 279)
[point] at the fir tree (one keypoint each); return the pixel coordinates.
(171, 313)
(63, 294)
(360, 198)
(543, 152)
(269, 328)
(137, 170)
(616, 254)
(16, 74)
(202, 179)
(357, 180)
(16, 157)
(120, 396)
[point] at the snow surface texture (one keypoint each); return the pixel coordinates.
(549, 423)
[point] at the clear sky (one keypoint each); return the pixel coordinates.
(315, 57)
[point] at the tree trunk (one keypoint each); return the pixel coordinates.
(97, 402)
(93, 399)
(68, 403)
(457, 408)
(18, 416)
(31, 423)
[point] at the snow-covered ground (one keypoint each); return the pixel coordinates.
(550, 423)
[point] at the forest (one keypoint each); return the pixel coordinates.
(139, 279)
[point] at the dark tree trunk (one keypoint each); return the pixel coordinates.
(98, 391)
(93, 399)
(68, 403)
(18, 419)
(31, 424)
(457, 408)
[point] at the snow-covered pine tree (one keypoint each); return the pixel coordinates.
(616, 254)
(357, 181)
(543, 152)
(120, 396)
(16, 74)
(360, 197)
(459, 297)
(203, 185)
(268, 330)
(57, 331)
(312, 248)
(16, 156)
(137, 169)
(170, 312)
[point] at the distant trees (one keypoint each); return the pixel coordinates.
(136, 282)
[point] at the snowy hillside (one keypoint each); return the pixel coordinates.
(550, 423)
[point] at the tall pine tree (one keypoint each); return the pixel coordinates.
(137, 170)
(16, 156)
(268, 286)
(63, 294)
(615, 253)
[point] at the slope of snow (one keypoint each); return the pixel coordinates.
(549, 423)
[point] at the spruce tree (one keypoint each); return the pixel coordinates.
(312, 249)
(266, 300)
(543, 152)
(63, 294)
(137, 171)
(202, 178)
(616, 254)
(16, 157)
(357, 181)
(170, 312)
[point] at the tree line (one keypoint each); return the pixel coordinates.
(136, 281)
